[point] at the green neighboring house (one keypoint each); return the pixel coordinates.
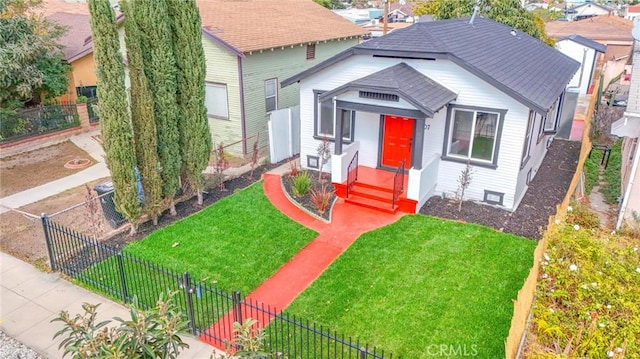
(252, 45)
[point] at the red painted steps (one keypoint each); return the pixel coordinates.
(371, 196)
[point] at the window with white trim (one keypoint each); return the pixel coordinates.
(473, 135)
(271, 94)
(325, 122)
(216, 100)
(526, 149)
(550, 123)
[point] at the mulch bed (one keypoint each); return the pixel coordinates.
(305, 201)
(547, 189)
(190, 206)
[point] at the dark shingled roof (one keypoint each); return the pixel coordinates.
(519, 65)
(586, 42)
(403, 80)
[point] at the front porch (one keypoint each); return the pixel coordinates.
(374, 188)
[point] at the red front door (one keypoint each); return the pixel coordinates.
(396, 141)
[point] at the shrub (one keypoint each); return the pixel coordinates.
(82, 99)
(588, 297)
(301, 184)
(580, 214)
(148, 334)
(321, 198)
(294, 170)
(612, 187)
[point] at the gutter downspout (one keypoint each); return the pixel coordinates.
(627, 192)
(243, 123)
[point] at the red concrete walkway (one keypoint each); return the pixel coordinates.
(348, 223)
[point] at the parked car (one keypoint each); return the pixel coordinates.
(618, 101)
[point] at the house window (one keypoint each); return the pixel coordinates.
(216, 100)
(271, 94)
(473, 134)
(311, 51)
(492, 197)
(550, 123)
(526, 149)
(325, 122)
(88, 91)
(313, 161)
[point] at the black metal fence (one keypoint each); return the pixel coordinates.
(92, 109)
(211, 311)
(37, 120)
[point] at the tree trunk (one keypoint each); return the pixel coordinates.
(172, 207)
(200, 198)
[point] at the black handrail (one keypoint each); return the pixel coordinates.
(398, 184)
(352, 172)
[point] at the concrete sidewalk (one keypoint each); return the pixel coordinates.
(30, 299)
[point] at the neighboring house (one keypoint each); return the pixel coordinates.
(78, 52)
(632, 11)
(436, 95)
(613, 31)
(589, 10)
(376, 28)
(608, 30)
(401, 12)
(628, 127)
(585, 51)
(250, 47)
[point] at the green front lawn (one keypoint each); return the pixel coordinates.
(237, 242)
(421, 283)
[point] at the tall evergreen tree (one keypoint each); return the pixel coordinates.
(142, 119)
(115, 124)
(195, 138)
(159, 66)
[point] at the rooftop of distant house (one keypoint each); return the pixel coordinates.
(600, 28)
(78, 31)
(253, 25)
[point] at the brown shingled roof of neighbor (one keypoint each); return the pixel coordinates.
(79, 29)
(50, 7)
(252, 25)
(599, 28)
(615, 52)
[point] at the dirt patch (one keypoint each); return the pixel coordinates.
(547, 189)
(21, 234)
(34, 168)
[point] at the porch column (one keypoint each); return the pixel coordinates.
(418, 143)
(337, 119)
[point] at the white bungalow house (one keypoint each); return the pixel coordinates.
(406, 112)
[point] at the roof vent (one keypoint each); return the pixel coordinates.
(513, 32)
(379, 96)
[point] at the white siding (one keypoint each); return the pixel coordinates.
(367, 132)
(537, 152)
(471, 91)
(222, 68)
(587, 58)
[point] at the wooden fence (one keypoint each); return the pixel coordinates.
(524, 302)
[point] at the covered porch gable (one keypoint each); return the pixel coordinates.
(402, 99)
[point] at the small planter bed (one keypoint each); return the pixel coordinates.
(318, 197)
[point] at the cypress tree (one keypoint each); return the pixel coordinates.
(195, 138)
(142, 119)
(114, 118)
(159, 67)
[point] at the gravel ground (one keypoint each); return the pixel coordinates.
(13, 349)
